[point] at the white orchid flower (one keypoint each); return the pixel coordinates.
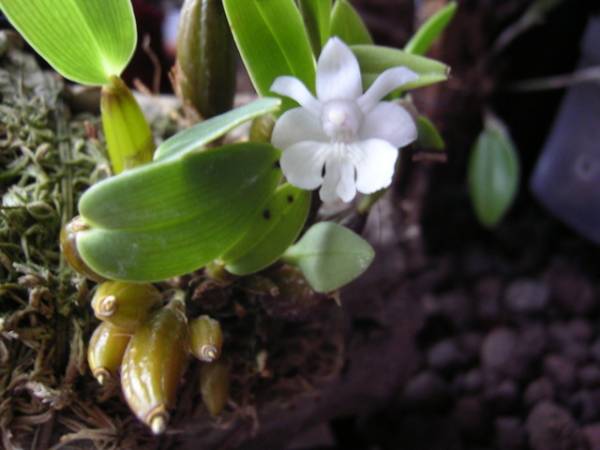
(343, 140)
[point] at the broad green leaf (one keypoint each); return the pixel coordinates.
(316, 15)
(276, 226)
(330, 256)
(202, 133)
(433, 27)
(375, 59)
(272, 41)
(493, 173)
(428, 135)
(169, 218)
(86, 41)
(347, 24)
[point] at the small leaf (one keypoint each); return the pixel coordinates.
(428, 135)
(170, 218)
(347, 24)
(275, 227)
(273, 41)
(433, 27)
(202, 133)
(128, 136)
(86, 41)
(375, 59)
(330, 256)
(493, 173)
(316, 15)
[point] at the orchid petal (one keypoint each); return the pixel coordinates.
(375, 161)
(294, 88)
(297, 125)
(302, 164)
(338, 73)
(328, 192)
(385, 83)
(390, 122)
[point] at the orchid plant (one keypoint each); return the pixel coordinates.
(198, 203)
(194, 202)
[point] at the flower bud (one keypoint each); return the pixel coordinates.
(153, 366)
(105, 351)
(261, 129)
(129, 139)
(68, 246)
(205, 72)
(206, 338)
(125, 305)
(214, 386)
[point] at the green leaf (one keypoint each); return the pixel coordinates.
(433, 27)
(169, 218)
(330, 256)
(275, 227)
(86, 41)
(202, 133)
(428, 135)
(375, 59)
(316, 15)
(493, 173)
(272, 41)
(347, 24)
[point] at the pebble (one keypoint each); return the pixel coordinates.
(550, 427)
(504, 397)
(445, 355)
(488, 301)
(570, 290)
(560, 370)
(457, 307)
(471, 417)
(538, 391)
(498, 348)
(470, 382)
(592, 433)
(426, 391)
(584, 405)
(510, 433)
(589, 376)
(581, 330)
(595, 350)
(526, 296)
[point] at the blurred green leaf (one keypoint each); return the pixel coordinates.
(202, 133)
(330, 256)
(428, 135)
(375, 59)
(347, 24)
(433, 27)
(273, 41)
(86, 41)
(169, 218)
(493, 173)
(316, 15)
(275, 227)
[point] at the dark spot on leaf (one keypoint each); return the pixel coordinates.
(290, 199)
(267, 214)
(276, 165)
